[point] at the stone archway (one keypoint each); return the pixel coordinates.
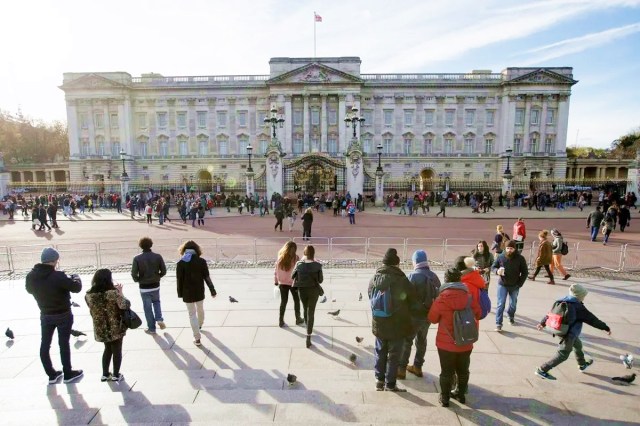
(204, 181)
(426, 179)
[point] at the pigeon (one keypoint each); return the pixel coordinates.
(232, 300)
(359, 339)
(74, 304)
(353, 358)
(334, 313)
(291, 379)
(625, 379)
(76, 333)
(324, 299)
(9, 334)
(333, 300)
(360, 298)
(627, 360)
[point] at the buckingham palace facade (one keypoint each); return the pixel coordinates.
(416, 127)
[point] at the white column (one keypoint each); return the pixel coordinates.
(379, 202)
(342, 140)
(72, 128)
(507, 119)
(563, 122)
(527, 113)
(305, 122)
(287, 142)
(323, 125)
(126, 124)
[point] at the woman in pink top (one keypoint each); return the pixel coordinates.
(285, 264)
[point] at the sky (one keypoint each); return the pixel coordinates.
(600, 39)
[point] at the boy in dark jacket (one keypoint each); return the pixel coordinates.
(51, 289)
(391, 331)
(578, 314)
(147, 269)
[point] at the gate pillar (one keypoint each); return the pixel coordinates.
(274, 169)
(355, 170)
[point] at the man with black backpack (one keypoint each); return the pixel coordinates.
(391, 295)
(426, 285)
(572, 315)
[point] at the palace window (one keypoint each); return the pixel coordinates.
(387, 144)
(333, 146)
(297, 117)
(203, 147)
(551, 116)
(315, 117)
(221, 119)
(428, 146)
(548, 144)
(142, 146)
(533, 144)
(99, 121)
(449, 116)
(142, 120)
(113, 121)
(164, 148)
(519, 116)
(242, 145)
(367, 114)
(84, 148)
(470, 117)
(408, 117)
(448, 146)
(428, 117)
(517, 145)
(84, 121)
(315, 145)
(184, 147)
(535, 117)
(408, 146)
(488, 146)
(297, 146)
(491, 115)
(182, 120)
(366, 145)
(468, 145)
(242, 118)
(260, 116)
(202, 119)
(333, 117)
(388, 117)
(115, 148)
(263, 146)
(162, 120)
(223, 147)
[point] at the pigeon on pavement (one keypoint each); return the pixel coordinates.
(627, 360)
(359, 339)
(9, 334)
(625, 379)
(360, 298)
(334, 313)
(324, 299)
(74, 304)
(232, 300)
(76, 333)
(353, 358)
(291, 379)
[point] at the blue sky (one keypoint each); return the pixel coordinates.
(600, 39)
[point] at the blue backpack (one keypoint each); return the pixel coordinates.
(382, 303)
(485, 302)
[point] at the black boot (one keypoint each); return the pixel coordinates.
(281, 321)
(308, 341)
(461, 390)
(445, 390)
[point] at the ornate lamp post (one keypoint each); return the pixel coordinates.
(379, 147)
(124, 177)
(507, 171)
(379, 179)
(507, 176)
(249, 175)
(249, 151)
(353, 120)
(274, 120)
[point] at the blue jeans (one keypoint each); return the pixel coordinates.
(502, 299)
(151, 305)
(160, 218)
(594, 232)
(387, 355)
(420, 339)
(48, 324)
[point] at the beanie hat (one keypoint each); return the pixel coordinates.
(511, 243)
(459, 263)
(419, 256)
(391, 257)
(49, 254)
(452, 275)
(578, 291)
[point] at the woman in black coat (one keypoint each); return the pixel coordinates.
(192, 273)
(307, 220)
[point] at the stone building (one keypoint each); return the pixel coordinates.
(189, 130)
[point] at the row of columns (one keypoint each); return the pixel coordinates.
(601, 172)
(48, 176)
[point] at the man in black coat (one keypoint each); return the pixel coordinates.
(512, 270)
(51, 289)
(393, 327)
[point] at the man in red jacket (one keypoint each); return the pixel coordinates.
(454, 359)
(519, 234)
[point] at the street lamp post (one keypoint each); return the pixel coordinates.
(379, 147)
(507, 176)
(379, 201)
(249, 151)
(353, 120)
(508, 169)
(249, 175)
(124, 177)
(274, 120)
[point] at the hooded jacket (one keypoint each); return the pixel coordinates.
(398, 325)
(474, 282)
(453, 297)
(192, 273)
(307, 274)
(51, 289)
(582, 315)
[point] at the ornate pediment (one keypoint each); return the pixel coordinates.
(315, 73)
(93, 81)
(543, 76)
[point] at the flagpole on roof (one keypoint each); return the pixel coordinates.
(314, 34)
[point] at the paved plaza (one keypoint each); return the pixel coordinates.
(239, 374)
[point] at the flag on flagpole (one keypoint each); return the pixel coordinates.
(317, 17)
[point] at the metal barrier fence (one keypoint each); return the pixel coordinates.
(336, 252)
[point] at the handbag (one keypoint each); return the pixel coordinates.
(130, 319)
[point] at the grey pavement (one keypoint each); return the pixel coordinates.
(239, 374)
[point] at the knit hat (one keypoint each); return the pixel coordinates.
(459, 263)
(391, 257)
(511, 243)
(452, 275)
(419, 256)
(578, 291)
(49, 254)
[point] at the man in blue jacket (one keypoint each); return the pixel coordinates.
(571, 341)
(51, 289)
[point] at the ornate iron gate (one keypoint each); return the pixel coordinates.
(314, 173)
